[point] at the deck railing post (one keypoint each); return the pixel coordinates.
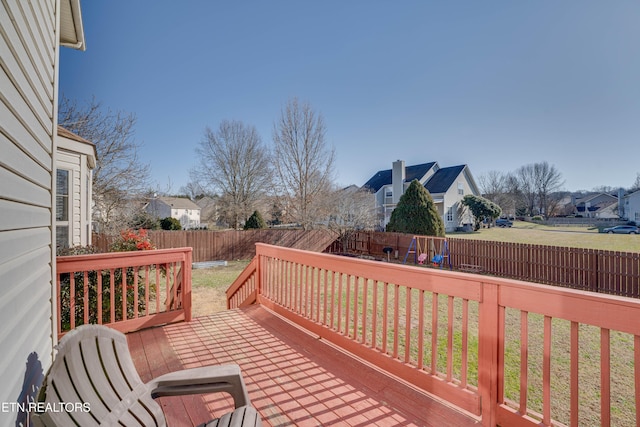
(488, 353)
(259, 277)
(186, 284)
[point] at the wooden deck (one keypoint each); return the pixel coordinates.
(293, 378)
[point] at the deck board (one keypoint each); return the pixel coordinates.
(293, 378)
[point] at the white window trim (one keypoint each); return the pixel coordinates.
(66, 223)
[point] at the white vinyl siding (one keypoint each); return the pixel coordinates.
(450, 214)
(27, 111)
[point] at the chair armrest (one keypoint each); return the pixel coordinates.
(206, 379)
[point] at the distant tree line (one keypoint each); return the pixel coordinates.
(290, 182)
(534, 189)
(529, 190)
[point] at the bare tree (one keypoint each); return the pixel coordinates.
(604, 189)
(234, 162)
(536, 182)
(501, 189)
(353, 209)
(192, 190)
(526, 181)
(492, 183)
(636, 184)
(303, 161)
(548, 180)
(119, 176)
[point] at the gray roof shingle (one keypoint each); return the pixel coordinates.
(443, 179)
(383, 177)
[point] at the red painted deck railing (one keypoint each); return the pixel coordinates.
(510, 352)
(157, 284)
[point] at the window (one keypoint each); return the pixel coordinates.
(62, 208)
(450, 214)
(460, 189)
(88, 208)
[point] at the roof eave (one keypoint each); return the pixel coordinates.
(71, 28)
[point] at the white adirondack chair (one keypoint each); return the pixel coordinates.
(93, 382)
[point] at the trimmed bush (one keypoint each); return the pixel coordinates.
(169, 223)
(481, 209)
(416, 213)
(255, 221)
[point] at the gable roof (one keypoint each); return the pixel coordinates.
(383, 177)
(603, 196)
(443, 179)
(66, 133)
(69, 141)
(179, 203)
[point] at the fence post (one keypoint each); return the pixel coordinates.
(596, 271)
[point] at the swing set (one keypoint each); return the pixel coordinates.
(429, 249)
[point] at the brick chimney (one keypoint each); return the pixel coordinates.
(398, 176)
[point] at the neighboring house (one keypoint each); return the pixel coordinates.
(632, 207)
(75, 161)
(182, 209)
(31, 35)
(597, 205)
(447, 187)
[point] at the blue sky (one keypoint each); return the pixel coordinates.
(493, 84)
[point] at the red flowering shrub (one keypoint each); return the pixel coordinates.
(129, 240)
(132, 240)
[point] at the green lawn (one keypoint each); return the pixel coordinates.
(209, 286)
(578, 237)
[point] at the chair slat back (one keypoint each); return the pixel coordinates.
(94, 370)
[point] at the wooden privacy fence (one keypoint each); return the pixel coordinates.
(125, 290)
(615, 273)
(512, 352)
(209, 245)
(610, 272)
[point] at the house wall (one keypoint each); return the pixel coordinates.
(632, 207)
(453, 199)
(28, 77)
(609, 212)
(189, 218)
(159, 209)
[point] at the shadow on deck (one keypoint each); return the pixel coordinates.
(293, 377)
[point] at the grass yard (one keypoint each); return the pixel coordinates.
(578, 237)
(209, 286)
